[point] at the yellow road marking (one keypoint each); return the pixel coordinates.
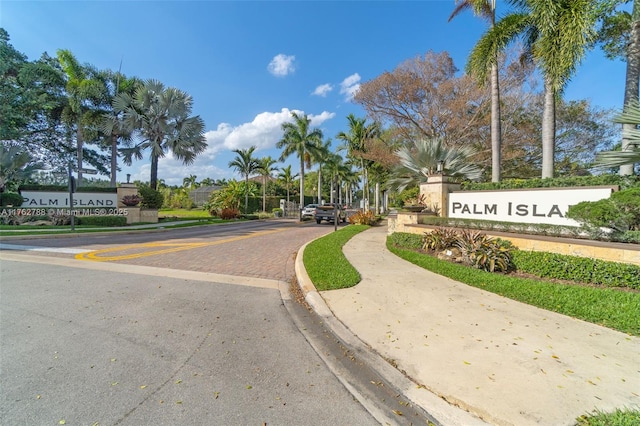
(173, 247)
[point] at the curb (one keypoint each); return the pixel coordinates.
(436, 407)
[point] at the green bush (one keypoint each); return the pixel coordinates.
(10, 199)
(151, 198)
(574, 268)
(620, 212)
(406, 240)
(439, 239)
(623, 182)
(101, 220)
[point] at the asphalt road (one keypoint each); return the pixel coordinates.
(137, 335)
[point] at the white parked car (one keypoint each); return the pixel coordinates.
(309, 211)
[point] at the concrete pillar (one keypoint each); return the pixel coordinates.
(436, 193)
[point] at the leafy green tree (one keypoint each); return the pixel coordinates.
(620, 38)
(556, 35)
(160, 116)
(265, 167)
(298, 138)
(287, 178)
(487, 9)
(420, 161)
(245, 164)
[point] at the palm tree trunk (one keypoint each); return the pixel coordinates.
(301, 186)
(631, 88)
(496, 129)
(319, 184)
(153, 183)
(114, 160)
(548, 130)
(79, 154)
(264, 194)
(246, 194)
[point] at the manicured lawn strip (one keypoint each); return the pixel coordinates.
(626, 417)
(611, 308)
(182, 214)
(325, 263)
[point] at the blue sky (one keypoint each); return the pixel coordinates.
(248, 64)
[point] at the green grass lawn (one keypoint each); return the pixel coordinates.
(183, 214)
(325, 263)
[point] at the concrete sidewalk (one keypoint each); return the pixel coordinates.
(490, 358)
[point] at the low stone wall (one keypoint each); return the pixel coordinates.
(137, 215)
(613, 252)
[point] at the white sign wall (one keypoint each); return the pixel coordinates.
(544, 205)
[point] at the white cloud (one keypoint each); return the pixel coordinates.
(350, 86)
(282, 65)
(322, 90)
(264, 131)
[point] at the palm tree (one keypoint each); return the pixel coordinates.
(287, 178)
(631, 117)
(112, 124)
(355, 142)
(16, 165)
(245, 164)
(419, 161)
(337, 170)
(556, 35)
(322, 155)
(82, 87)
(620, 36)
(265, 167)
(301, 140)
(160, 116)
(190, 182)
(487, 9)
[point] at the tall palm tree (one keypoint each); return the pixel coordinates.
(82, 88)
(556, 35)
(620, 38)
(287, 178)
(245, 164)
(112, 123)
(190, 182)
(355, 143)
(298, 138)
(487, 9)
(627, 157)
(161, 117)
(419, 161)
(322, 155)
(265, 167)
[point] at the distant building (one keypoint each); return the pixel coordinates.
(201, 194)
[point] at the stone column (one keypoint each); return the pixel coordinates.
(436, 193)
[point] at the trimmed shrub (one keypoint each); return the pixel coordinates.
(406, 240)
(151, 198)
(574, 268)
(101, 220)
(10, 199)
